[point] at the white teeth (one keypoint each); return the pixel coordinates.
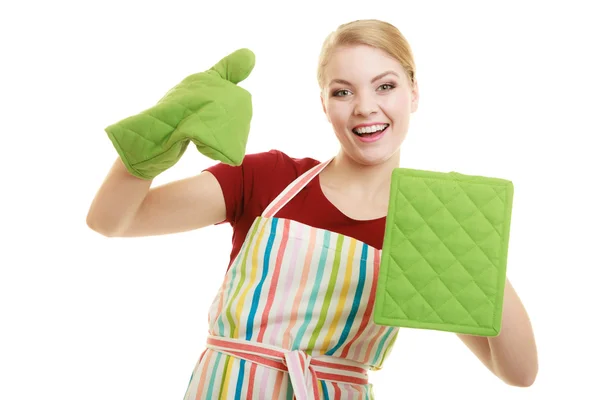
(370, 129)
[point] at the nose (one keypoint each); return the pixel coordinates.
(365, 105)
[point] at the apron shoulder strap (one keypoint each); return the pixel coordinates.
(293, 189)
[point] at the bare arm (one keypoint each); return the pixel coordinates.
(512, 355)
(126, 206)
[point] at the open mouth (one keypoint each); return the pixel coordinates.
(369, 131)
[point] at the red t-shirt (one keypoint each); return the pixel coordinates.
(250, 187)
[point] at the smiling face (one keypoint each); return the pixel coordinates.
(368, 99)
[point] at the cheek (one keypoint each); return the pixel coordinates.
(398, 105)
(338, 113)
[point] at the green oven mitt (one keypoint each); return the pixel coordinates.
(207, 108)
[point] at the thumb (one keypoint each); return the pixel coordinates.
(236, 66)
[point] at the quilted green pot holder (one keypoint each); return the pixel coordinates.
(445, 250)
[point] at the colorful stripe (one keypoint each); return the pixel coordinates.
(278, 321)
(294, 188)
(296, 363)
(265, 271)
(366, 320)
(231, 298)
(301, 288)
(356, 301)
(331, 288)
(271, 296)
(305, 296)
(315, 291)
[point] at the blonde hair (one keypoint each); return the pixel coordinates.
(371, 32)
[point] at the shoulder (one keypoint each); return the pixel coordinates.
(250, 186)
(270, 173)
(269, 165)
(277, 165)
(278, 158)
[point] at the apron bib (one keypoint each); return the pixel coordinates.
(293, 317)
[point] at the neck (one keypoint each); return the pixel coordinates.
(361, 181)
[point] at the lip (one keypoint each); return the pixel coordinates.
(370, 124)
(371, 139)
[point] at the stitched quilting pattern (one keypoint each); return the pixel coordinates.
(205, 109)
(444, 256)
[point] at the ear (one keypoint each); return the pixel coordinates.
(414, 105)
(324, 108)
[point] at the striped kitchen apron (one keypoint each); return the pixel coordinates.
(293, 317)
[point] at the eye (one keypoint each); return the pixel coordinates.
(389, 86)
(338, 93)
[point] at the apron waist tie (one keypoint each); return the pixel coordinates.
(303, 370)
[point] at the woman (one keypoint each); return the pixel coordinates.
(297, 298)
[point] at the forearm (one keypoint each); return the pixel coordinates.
(117, 200)
(514, 352)
(512, 355)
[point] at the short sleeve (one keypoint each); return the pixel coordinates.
(244, 183)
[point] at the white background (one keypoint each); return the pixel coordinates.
(508, 89)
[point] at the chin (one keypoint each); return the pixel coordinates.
(387, 152)
(372, 158)
(373, 154)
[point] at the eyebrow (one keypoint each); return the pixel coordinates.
(343, 82)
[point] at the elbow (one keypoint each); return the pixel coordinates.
(529, 378)
(93, 224)
(528, 375)
(524, 378)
